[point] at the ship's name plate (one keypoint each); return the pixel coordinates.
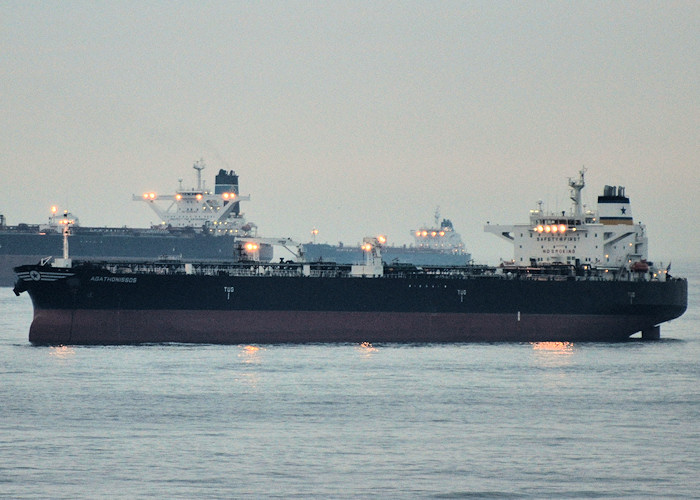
(113, 279)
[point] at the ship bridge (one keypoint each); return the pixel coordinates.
(606, 238)
(201, 209)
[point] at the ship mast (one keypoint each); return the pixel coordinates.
(199, 166)
(576, 187)
(66, 233)
(66, 260)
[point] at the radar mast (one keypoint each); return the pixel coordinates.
(199, 166)
(576, 187)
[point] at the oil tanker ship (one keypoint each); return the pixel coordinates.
(198, 223)
(563, 290)
(433, 245)
(194, 223)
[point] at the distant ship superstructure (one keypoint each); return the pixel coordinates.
(437, 244)
(606, 238)
(58, 222)
(216, 212)
(441, 236)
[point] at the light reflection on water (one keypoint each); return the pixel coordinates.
(62, 352)
(251, 357)
(366, 349)
(566, 348)
(553, 354)
(282, 421)
(250, 354)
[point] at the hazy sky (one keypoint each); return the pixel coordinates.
(354, 117)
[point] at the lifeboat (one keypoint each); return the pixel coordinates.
(641, 266)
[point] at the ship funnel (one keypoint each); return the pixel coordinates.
(227, 182)
(614, 207)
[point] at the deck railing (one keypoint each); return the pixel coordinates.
(326, 270)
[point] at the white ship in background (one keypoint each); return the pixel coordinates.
(440, 236)
(216, 212)
(433, 245)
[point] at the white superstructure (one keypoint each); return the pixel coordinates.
(439, 236)
(201, 209)
(57, 223)
(606, 238)
(372, 266)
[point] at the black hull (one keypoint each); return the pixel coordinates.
(92, 307)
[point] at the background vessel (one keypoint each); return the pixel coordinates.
(195, 224)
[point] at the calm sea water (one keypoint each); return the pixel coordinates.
(350, 421)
